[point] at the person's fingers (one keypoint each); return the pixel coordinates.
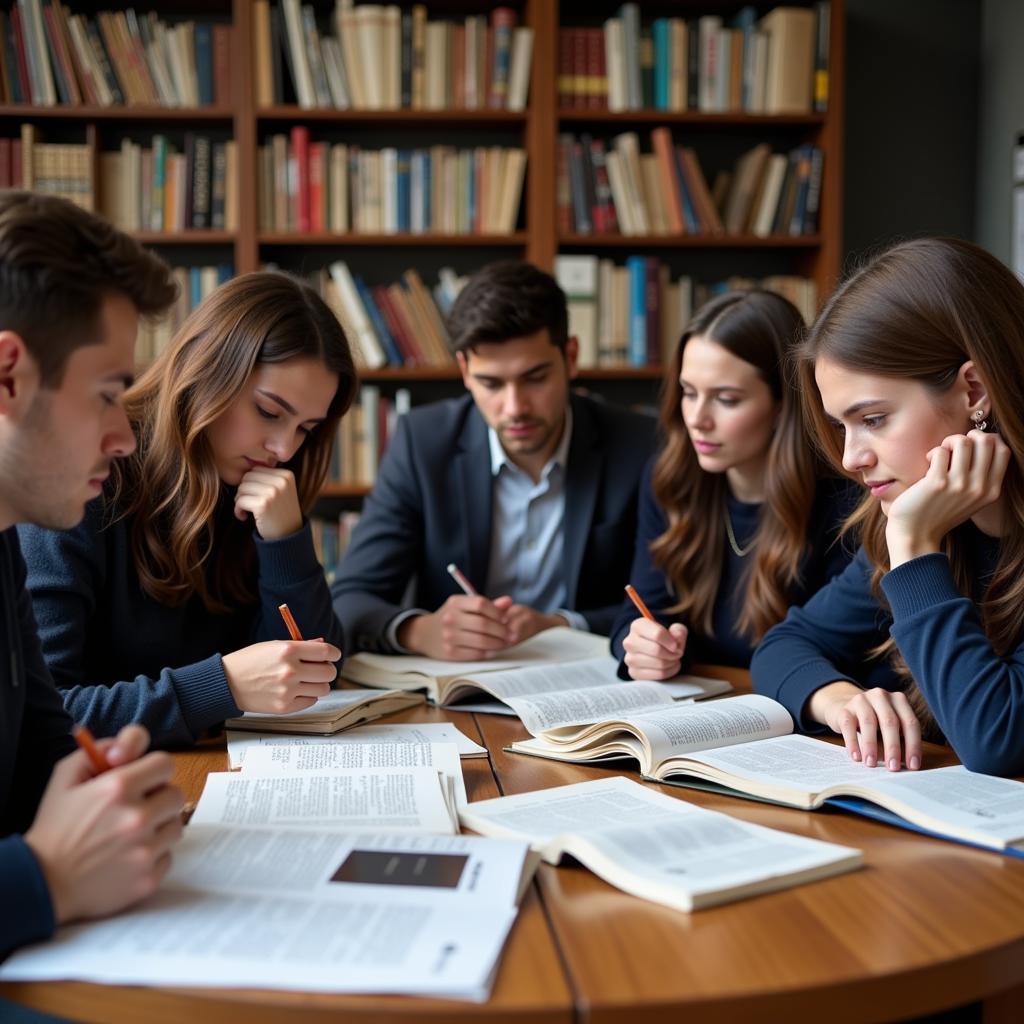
(313, 672)
(911, 731)
(129, 744)
(848, 727)
(314, 650)
(129, 782)
(867, 727)
(889, 727)
(314, 690)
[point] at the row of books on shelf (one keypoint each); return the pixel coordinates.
(59, 169)
(634, 314)
(602, 190)
(401, 324)
(331, 538)
(194, 285)
(363, 436)
(318, 186)
(158, 188)
(50, 56)
(777, 64)
(383, 58)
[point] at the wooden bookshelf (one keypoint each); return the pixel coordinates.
(536, 129)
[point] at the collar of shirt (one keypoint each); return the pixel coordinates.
(500, 459)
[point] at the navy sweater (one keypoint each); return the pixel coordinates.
(120, 656)
(34, 735)
(976, 696)
(825, 557)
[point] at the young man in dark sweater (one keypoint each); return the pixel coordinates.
(74, 843)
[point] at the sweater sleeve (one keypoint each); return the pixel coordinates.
(66, 575)
(648, 580)
(977, 696)
(825, 641)
(24, 895)
(289, 573)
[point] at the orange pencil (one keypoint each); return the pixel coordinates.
(84, 739)
(289, 621)
(639, 602)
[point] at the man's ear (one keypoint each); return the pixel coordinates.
(572, 355)
(19, 376)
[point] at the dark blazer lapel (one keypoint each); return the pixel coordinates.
(473, 481)
(583, 476)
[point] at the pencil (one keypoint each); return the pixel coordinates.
(289, 621)
(456, 574)
(84, 739)
(639, 602)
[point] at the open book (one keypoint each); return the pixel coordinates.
(655, 847)
(339, 709)
(554, 677)
(311, 908)
(741, 745)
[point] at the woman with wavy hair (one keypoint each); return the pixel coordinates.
(735, 523)
(162, 606)
(913, 377)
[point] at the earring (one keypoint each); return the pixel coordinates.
(980, 423)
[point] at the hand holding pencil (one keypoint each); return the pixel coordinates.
(653, 651)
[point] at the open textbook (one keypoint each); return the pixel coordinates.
(240, 743)
(339, 709)
(656, 847)
(316, 758)
(741, 745)
(306, 909)
(560, 675)
(412, 799)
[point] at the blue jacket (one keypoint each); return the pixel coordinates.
(431, 505)
(35, 732)
(826, 556)
(119, 656)
(976, 696)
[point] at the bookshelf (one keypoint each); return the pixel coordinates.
(719, 137)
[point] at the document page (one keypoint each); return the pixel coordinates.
(659, 842)
(379, 799)
(240, 743)
(308, 911)
(319, 757)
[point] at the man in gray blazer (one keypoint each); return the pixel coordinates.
(529, 490)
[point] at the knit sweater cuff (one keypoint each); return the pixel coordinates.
(24, 895)
(802, 684)
(921, 583)
(204, 694)
(289, 558)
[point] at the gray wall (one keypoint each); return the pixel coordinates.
(912, 69)
(1000, 118)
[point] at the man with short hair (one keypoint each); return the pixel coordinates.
(530, 490)
(75, 843)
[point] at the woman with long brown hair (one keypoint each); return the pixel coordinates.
(913, 377)
(162, 606)
(735, 523)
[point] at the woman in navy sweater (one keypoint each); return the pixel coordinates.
(161, 607)
(914, 380)
(734, 523)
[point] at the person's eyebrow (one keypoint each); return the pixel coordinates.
(286, 405)
(714, 391)
(119, 377)
(858, 406)
(487, 378)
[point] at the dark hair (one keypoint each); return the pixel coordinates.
(919, 311)
(169, 485)
(507, 300)
(58, 262)
(759, 327)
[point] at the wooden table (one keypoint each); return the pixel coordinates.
(925, 925)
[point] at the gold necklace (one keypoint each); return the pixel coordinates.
(737, 550)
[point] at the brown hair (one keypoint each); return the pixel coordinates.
(920, 310)
(57, 264)
(759, 327)
(169, 485)
(506, 300)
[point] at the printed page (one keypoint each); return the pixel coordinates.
(552, 645)
(384, 799)
(309, 911)
(662, 843)
(240, 743)
(590, 673)
(543, 711)
(319, 757)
